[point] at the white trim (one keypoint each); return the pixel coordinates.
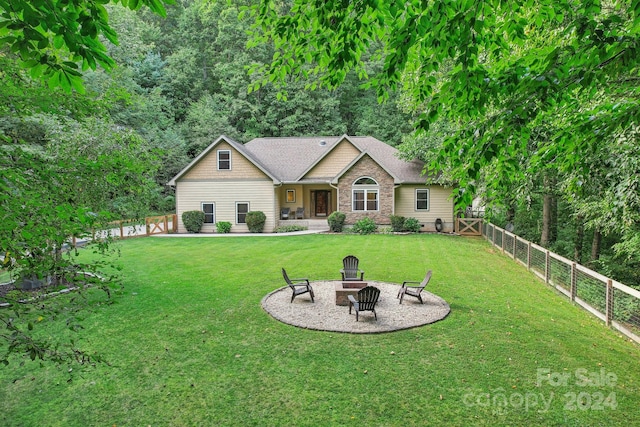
(366, 189)
(212, 213)
(245, 213)
(218, 152)
(415, 205)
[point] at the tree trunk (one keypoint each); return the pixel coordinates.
(545, 237)
(549, 213)
(553, 227)
(579, 239)
(595, 246)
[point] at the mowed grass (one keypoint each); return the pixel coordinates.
(188, 344)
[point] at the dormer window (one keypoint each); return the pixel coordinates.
(224, 160)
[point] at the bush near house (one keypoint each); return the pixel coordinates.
(193, 221)
(223, 227)
(255, 221)
(397, 223)
(364, 226)
(336, 221)
(412, 225)
(290, 228)
(400, 224)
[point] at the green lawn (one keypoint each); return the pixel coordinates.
(189, 345)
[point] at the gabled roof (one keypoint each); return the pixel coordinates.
(288, 160)
(237, 146)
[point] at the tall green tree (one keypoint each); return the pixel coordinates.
(471, 62)
(57, 39)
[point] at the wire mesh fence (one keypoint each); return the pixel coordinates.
(522, 251)
(615, 303)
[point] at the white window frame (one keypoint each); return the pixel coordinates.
(422, 190)
(366, 190)
(245, 213)
(291, 199)
(219, 161)
(212, 214)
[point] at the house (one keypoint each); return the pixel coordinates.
(359, 176)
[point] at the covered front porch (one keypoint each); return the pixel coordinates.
(306, 202)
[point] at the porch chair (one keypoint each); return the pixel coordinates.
(367, 299)
(414, 291)
(350, 269)
(300, 213)
(301, 286)
(284, 213)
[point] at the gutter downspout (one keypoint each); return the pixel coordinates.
(337, 195)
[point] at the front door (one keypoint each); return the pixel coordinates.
(322, 203)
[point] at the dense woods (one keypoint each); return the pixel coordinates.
(531, 109)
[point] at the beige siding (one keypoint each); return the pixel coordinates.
(258, 193)
(440, 206)
(334, 162)
(207, 167)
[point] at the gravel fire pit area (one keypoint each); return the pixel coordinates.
(325, 315)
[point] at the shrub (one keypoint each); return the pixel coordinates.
(290, 228)
(385, 230)
(336, 221)
(397, 223)
(193, 221)
(364, 226)
(255, 221)
(223, 226)
(412, 225)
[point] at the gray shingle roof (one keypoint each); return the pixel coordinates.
(288, 158)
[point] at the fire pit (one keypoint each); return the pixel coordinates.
(343, 289)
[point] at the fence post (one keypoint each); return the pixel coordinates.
(547, 267)
(515, 246)
(147, 229)
(493, 236)
(166, 224)
(574, 285)
(502, 242)
(121, 230)
(528, 255)
(609, 309)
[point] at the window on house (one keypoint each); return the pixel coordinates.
(291, 196)
(241, 212)
(209, 210)
(365, 194)
(224, 160)
(422, 199)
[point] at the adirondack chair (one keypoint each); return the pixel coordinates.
(301, 286)
(284, 213)
(300, 213)
(350, 269)
(367, 299)
(414, 291)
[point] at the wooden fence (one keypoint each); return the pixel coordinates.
(127, 228)
(615, 304)
(469, 226)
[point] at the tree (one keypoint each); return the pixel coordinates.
(58, 39)
(62, 175)
(485, 64)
